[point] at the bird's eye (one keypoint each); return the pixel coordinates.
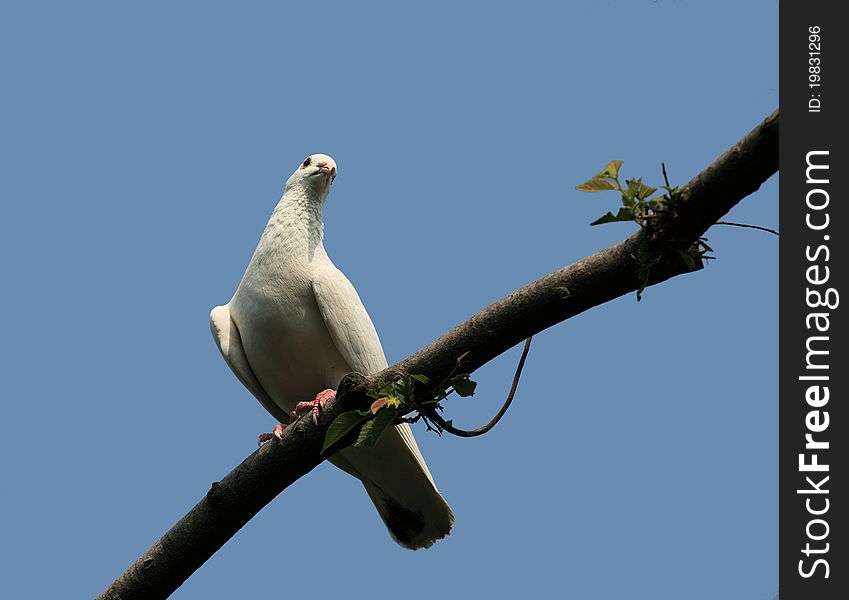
(307, 162)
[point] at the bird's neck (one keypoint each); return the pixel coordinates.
(296, 228)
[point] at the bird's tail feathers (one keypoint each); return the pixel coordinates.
(413, 528)
(402, 489)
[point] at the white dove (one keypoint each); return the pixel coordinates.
(296, 326)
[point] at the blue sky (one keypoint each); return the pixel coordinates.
(144, 147)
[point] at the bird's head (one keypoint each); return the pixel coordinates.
(314, 175)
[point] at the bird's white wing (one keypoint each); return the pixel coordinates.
(394, 469)
(356, 340)
(347, 321)
(229, 342)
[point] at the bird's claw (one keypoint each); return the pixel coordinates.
(277, 433)
(314, 406)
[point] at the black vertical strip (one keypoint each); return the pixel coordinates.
(813, 357)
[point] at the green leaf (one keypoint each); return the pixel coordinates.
(633, 189)
(610, 171)
(643, 275)
(463, 385)
(342, 425)
(645, 191)
(624, 214)
(381, 389)
(596, 185)
(628, 200)
(655, 203)
(688, 260)
(371, 431)
(648, 255)
(642, 288)
(420, 378)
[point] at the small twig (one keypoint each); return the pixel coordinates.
(429, 426)
(443, 424)
(767, 229)
(665, 178)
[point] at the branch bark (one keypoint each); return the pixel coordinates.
(592, 281)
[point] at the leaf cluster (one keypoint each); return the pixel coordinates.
(636, 205)
(648, 213)
(395, 399)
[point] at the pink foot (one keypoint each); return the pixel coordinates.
(315, 406)
(277, 433)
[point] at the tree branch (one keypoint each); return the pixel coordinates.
(592, 281)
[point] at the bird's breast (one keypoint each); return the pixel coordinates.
(284, 335)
